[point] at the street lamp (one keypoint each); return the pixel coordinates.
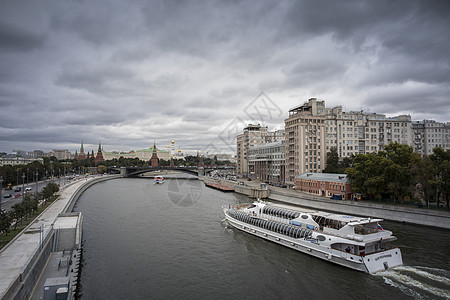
(37, 176)
(23, 186)
(28, 175)
(1, 190)
(17, 177)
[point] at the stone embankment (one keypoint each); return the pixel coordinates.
(24, 260)
(420, 216)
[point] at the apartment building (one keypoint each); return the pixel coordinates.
(305, 132)
(429, 134)
(358, 132)
(275, 136)
(60, 154)
(266, 162)
(252, 136)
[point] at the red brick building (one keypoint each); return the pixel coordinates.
(323, 184)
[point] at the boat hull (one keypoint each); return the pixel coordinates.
(370, 264)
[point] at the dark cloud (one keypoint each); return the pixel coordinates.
(17, 39)
(131, 72)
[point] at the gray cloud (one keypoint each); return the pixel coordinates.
(127, 73)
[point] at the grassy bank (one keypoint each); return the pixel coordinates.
(6, 238)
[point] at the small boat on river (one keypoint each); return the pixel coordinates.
(158, 180)
(354, 242)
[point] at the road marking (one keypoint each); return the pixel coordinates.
(39, 279)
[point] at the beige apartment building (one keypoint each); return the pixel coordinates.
(252, 136)
(61, 154)
(358, 132)
(429, 134)
(305, 130)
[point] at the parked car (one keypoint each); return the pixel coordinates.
(7, 196)
(18, 189)
(27, 189)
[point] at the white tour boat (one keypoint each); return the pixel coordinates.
(354, 242)
(158, 180)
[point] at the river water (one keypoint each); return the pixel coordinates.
(146, 241)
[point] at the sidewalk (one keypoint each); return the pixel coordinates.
(15, 257)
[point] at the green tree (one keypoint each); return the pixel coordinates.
(336, 165)
(441, 165)
(102, 169)
(332, 161)
(424, 178)
(49, 190)
(18, 212)
(5, 221)
(398, 174)
(367, 175)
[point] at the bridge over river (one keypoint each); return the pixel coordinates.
(132, 171)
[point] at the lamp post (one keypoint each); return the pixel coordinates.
(59, 177)
(23, 186)
(28, 175)
(46, 175)
(37, 176)
(17, 177)
(1, 190)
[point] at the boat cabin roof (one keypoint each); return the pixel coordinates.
(351, 220)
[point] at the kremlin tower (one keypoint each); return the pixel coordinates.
(82, 155)
(154, 160)
(99, 156)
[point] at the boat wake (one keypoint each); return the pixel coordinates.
(419, 282)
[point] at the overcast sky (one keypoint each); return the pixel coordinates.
(127, 73)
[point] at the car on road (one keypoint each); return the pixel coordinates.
(7, 196)
(18, 189)
(27, 189)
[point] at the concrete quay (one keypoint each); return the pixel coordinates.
(24, 260)
(398, 213)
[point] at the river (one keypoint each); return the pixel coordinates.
(147, 241)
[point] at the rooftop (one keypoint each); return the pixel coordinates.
(340, 178)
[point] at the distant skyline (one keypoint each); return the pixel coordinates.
(128, 73)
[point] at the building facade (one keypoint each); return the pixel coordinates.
(305, 130)
(14, 161)
(358, 132)
(275, 136)
(60, 154)
(322, 184)
(429, 134)
(266, 162)
(252, 136)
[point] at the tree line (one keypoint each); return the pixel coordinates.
(397, 173)
(26, 208)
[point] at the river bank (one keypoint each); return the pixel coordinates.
(24, 260)
(412, 215)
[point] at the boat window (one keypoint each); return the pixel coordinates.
(305, 217)
(361, 229)
(291, 231)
